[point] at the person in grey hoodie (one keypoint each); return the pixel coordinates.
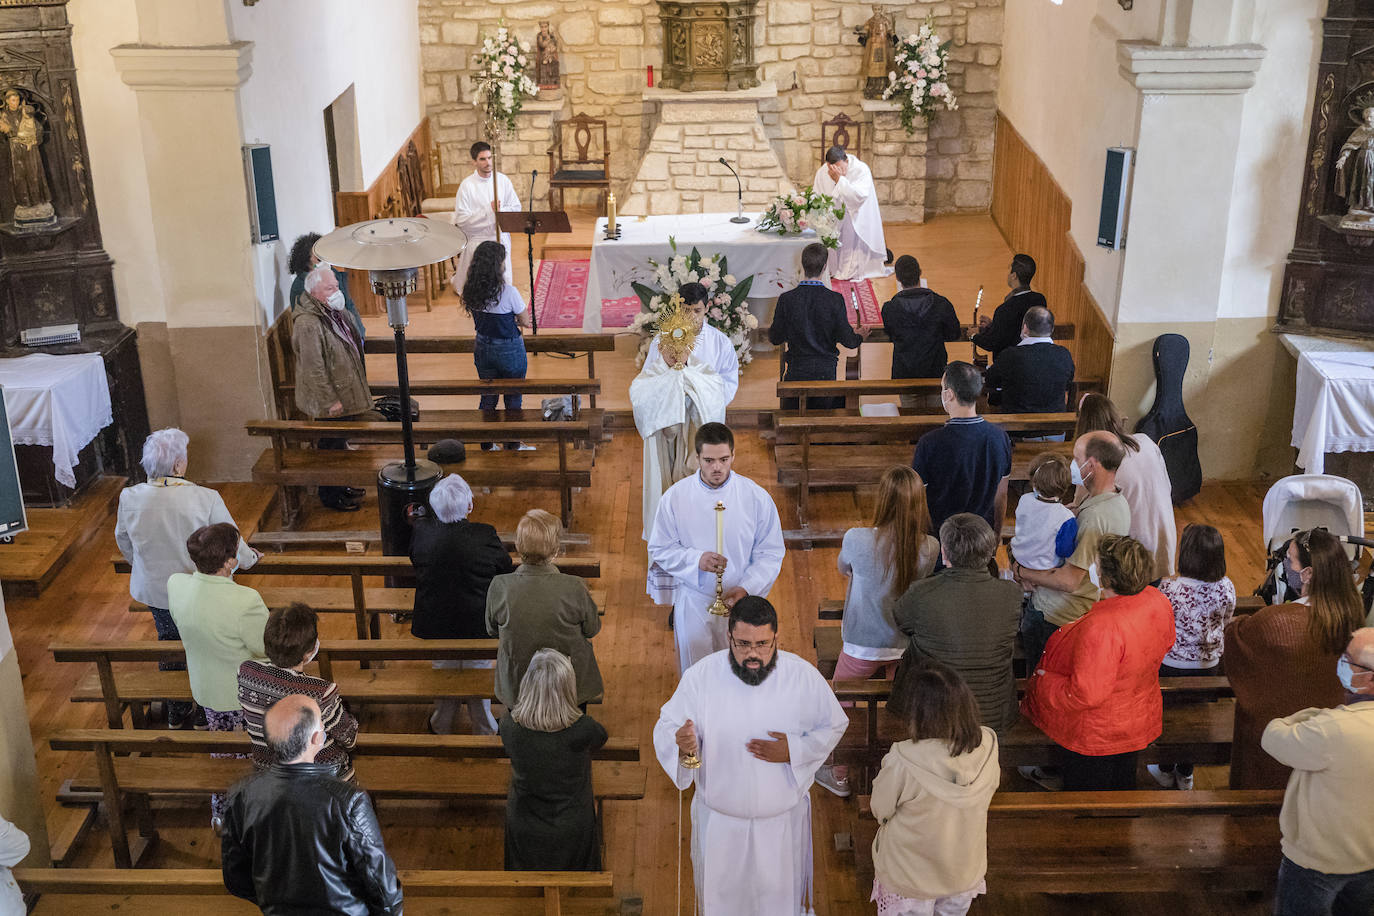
(931, 801)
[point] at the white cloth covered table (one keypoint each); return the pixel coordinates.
(59, 401)
(1334, 407)
(773, 260)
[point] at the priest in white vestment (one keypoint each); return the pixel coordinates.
(473, 213)
(712, 346)
(862, 248)
(761, 721)
(683, 542)
(672, 397)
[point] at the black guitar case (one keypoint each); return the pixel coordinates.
(1167, 422)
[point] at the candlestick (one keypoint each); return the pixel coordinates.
(610, 215)
(718, 606)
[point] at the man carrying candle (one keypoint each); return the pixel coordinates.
(474, 210)
(691, 542)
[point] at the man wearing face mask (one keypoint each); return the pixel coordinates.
(1328, 834)
(331, 377)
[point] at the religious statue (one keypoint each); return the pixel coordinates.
(546, 57)
(1355, 173)
(878, 36)
(19, 122)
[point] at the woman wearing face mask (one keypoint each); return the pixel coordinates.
(221, 625)
(1283, 658)
(292, 641)
(331, 378)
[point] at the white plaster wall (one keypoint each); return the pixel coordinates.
(306, 53)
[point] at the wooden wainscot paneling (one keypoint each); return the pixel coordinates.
(1033, 213)
(404, 183)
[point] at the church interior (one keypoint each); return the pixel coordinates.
(1173, 167)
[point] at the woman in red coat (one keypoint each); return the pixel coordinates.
(1096, 690)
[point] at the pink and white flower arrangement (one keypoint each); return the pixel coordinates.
(920, 76)
(503, 81)
(727, 305)
(795, 213)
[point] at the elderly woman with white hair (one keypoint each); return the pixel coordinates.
(154, 521)
(455, 561)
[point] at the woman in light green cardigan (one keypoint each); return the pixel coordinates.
(221, 625)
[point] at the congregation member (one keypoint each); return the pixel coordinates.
(537, 607)
(1042, 516)
(812, 320)
(1283, 658)
(931, 801)
(673, 395)
(550, 809)
(331, 375)
(1203, 599)
(14, 847)
(760, 722)
(474, 211)
(301, 261)
(1143, 479)
(862, 249)
(1095, 691)
(151, 527)
(967, 462)
(1003, 329)
(498, 313)
(881, 563)
(221, 624)
(963, 617)
(919, 322)
(1327, 834)
(1035, 375)
(712, 346)
(455, 560)
(297, 839)
(1061, 595)
(292, 640)
(690, 546)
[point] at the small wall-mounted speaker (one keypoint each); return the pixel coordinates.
(1116, 189)
(262, 197)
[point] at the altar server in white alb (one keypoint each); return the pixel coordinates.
(712, 347)
(672, 397)
(474, 210)
(761, 722)
(862, 247)
(691, 542)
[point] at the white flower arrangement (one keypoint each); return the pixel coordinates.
(793, 214)
(920, 77)
(503, 79)
(726, 299)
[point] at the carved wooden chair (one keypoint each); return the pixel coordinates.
(842, 131)
(572, 158)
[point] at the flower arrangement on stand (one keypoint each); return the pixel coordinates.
(727, 306)
(503, 81)
(793, 214)
(920, 76)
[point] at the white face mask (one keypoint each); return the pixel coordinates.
(1076, 474)
(1346, 674)
(1092, 576)
(335, 300)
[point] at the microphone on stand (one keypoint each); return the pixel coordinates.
(533, 175)
(739, 217)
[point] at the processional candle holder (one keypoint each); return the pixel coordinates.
(718, 607)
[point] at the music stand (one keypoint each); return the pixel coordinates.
(529, 222)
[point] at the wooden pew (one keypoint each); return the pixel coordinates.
(562, 468)
(852, 390)
(438, 767)
(153, 890)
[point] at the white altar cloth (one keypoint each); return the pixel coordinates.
(59, 401)
(1334, 407)
(772, 259)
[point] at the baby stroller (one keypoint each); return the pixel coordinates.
(1302, 502)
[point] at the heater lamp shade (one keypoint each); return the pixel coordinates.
(390, 244)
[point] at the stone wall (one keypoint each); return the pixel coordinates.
(808, 49)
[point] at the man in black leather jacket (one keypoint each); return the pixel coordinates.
(297, 839)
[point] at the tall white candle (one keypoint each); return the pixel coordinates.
(720, 528)
(610, 214)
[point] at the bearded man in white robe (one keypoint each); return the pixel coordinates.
(474, 210)
(683, 543)
(862, 246)
(761, 722)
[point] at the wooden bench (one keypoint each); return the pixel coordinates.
(852, 390)
(153, 890)
(369, 539)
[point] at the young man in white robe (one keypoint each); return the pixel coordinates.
(712, 346)
(474, 210)
(761, 721)
(683, 543)
(862, 248)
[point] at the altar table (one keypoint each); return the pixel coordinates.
(57, 401)
(1334, 407)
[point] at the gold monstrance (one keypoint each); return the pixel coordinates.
(677, 336)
